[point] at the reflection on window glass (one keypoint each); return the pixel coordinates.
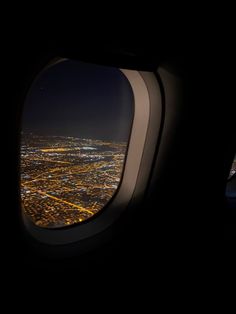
(233, 168)
(75, 130)
(231, 184)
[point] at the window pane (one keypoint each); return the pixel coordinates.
(76, 124)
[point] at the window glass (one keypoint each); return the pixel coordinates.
(76, 125)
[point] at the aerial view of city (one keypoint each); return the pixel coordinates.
(76, 124)
(66, 180)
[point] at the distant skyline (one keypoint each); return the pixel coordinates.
(81, 100)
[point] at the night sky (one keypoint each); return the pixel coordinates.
(83, 100)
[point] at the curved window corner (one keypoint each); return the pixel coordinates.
(88, 140)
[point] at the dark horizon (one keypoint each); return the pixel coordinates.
(76, 137)
(75, 99)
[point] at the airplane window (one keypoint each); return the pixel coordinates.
(76, 124)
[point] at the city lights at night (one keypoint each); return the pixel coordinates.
(75, 130)
(66, 180)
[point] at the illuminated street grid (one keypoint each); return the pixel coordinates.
(66, 180)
